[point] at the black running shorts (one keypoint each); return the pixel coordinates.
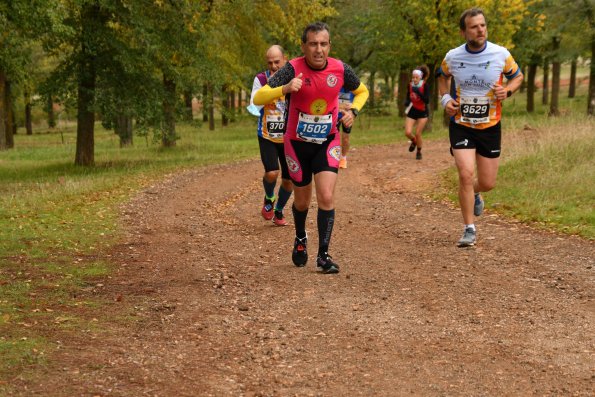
(306, 158)
(486, 142)
(416, 114)
(272, 154)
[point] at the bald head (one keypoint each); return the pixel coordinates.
(275, 58)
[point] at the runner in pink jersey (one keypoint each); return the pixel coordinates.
(311, 86)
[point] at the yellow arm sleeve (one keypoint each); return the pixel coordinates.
(361, 95)
(267, 94)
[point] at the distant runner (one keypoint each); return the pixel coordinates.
(416, 103)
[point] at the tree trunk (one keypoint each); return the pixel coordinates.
(433, 96)
(232, 103)
(168, 129)
(224, 105)
(50, 112)
(205, 110)
(87, 77)
(572, 85)
(2, 110)
(531, 87)
(85, 129)
(188, 105)
(403, 82)
(211, 107)
(123, 128)
(28, 106)
(524, 82)
(546, 77)
(9, 121)
(556, 67)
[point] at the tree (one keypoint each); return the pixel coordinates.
(21, 21)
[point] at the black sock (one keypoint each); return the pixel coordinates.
(282, 200)
(326, 220)
(299, 219)
(269, 189)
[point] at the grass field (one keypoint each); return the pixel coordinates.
(54, 216)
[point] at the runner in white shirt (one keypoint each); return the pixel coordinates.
(478, 68)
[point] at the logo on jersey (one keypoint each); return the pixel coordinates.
(461, 66)
(331, 80)
(307, 82)
(293, 165)
(475, 82)
(484, 65)
(335, 152)
(318, 106)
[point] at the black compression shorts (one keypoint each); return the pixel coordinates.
(272, 154)
(486, 142)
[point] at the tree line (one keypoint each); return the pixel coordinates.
(139, 63)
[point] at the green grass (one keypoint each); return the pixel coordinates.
(547, 168)
(54, 216)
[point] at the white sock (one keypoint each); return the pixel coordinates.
(472, 226)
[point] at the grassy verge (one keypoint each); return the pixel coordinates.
(547, 168)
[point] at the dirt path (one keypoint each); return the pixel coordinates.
(213, 307)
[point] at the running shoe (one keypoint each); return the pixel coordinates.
(299, 256)
(478, 206)
(279, 219)
(267, 209)
(412, 146)
(468, 238)
(343, 162)
(418, 156)
(325, 264)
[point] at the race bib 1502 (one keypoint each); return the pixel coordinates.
(314, 128)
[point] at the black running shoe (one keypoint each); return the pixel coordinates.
(299, 256)
(412, 146)
(325, 264)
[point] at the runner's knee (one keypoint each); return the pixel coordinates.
(271, 176)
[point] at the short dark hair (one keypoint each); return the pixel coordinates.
(314, 27)
(471, 12)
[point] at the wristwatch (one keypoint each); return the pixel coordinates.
(508, 94)
(354, 111)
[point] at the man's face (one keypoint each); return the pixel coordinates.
(415, 78)
(476, 31)
(316, 48)
(275, 60)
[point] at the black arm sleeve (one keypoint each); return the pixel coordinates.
(350, 80)
(283, 76)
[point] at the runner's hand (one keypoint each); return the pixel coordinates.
(452, 107)
(499, 92)
(347, 118)
(294, 85)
